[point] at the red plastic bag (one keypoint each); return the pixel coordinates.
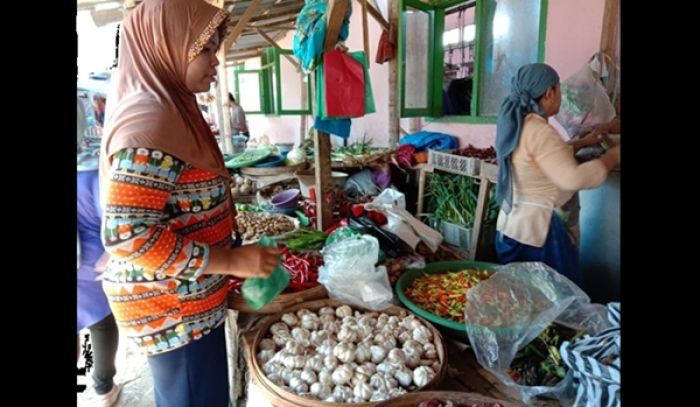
(344, 82)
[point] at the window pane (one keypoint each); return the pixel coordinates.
(249, 91)
(416, 63)
(512, 40)
(291, 82)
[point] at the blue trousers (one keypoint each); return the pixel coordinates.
(195, 375)
(558, 251)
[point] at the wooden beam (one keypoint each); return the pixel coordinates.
(274, 44)
(611, 22)
(233, 59)
(292, 10)
(240, 25)
(322, 168)
(322, 141)
(393, 81)
(336, 15)
(365, 32)
(376, 14)
(265, 24)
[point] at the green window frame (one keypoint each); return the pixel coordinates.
(271, 82)
(237, 90)
(433, 89)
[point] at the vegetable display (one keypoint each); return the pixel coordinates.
(445, 294)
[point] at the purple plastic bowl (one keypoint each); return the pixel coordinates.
(286, 199)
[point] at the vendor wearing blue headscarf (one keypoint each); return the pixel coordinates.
(537, 174)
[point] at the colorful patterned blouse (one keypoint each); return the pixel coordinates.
(160, 218)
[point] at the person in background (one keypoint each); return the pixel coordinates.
(537, 174)
(93, 309)
(98, 106)
(238, 121)
(169, 217)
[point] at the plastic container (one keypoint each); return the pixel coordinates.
(256, 291)
(437, 268)
(286, 199)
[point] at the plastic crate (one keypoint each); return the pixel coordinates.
(456, 235)
(456, 164)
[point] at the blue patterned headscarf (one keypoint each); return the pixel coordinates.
(530, 83)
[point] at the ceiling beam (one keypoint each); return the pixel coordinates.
(240, 25)
(274, 44)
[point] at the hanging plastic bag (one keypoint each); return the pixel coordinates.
(256, 291)
(509, 310)
(349, 274)
(584, 101)
(344, 85)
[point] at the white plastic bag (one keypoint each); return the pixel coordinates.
(584, 101)
(349, 274)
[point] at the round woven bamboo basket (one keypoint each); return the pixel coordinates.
(280, 303)
(289, 169)
(281, 398)
(459, 398)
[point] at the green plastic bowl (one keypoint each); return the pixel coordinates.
(407, 278)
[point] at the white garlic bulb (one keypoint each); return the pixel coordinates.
(386, 369)
(378, 353)
(308, 376)
(299, 361)
(303, 311)
(367, 369)
(290, 319)
(404, 336)
(342, 374)
(279, 328)
(412, 348)
(389, 343)
(342, 393)
(297, 385)
(347, 334)
(422, 335)
(404, 377)
(362, 353)
(271, 367)
(382, 319)
(359, 378)
(265, 355)
(379, 395)
(310, 322)
(429, 351)
(345, 352)
(412, 362)
(317, 337)
(267, 344)
(281, 339)
(321, 390)
(330, 362)
(422, 375)
(396, 357)
(294, 348)
(314, 363)
(378, 382)
(326, 311)
(324, 376)
(288, 361)
(301, 335)
(343, 311)
(326, 318)
(362, 391)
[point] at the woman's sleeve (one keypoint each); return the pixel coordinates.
(133, 227)
(556, 160)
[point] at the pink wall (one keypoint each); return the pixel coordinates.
(573, 35)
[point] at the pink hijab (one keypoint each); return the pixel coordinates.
(152, 106)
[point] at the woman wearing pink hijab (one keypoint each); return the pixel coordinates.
(168, 213)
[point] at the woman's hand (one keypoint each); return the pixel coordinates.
(253, 261)
(592, 138)
(611, 158)
(243, 262)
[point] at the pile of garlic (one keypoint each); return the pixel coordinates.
(337, 357)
